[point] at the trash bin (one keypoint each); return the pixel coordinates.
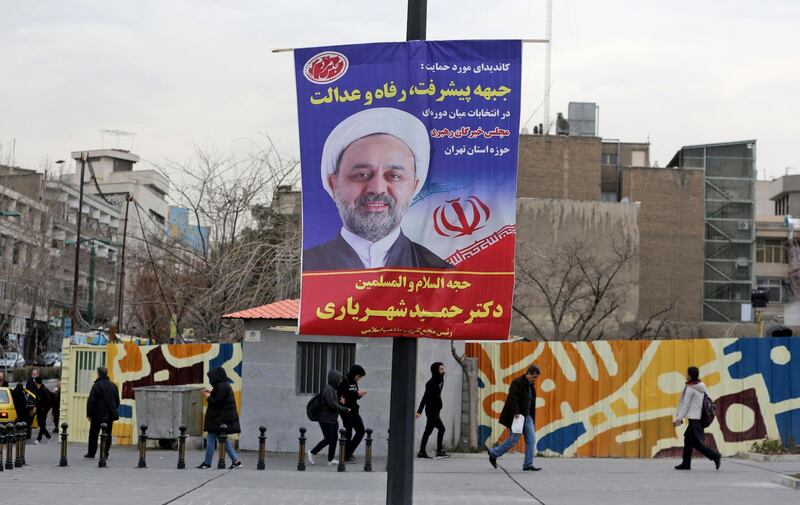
(165, 408)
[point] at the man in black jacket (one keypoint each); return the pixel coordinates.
(432, 404)
(520, 406)
(102, 407)
(352, 421)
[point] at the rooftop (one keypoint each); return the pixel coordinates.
(284, 309)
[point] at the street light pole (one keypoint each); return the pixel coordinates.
(90, 282)
(74, 314)
(400, 478)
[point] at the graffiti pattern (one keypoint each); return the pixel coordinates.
(131, 366)
(618, 398)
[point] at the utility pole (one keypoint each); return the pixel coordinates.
(74, 309)
(90, 282)
(400, 478)
(121, 283)
(548, 37)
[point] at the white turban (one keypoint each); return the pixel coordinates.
(394, 122)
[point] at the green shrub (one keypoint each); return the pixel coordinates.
(22, 374)
(769, 446)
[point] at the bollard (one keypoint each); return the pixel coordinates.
(262, 448)
(19, 436)
(143, 446)
(63, 460)
(24, 443)
(182, 448)
(342, 447)
(9, 446)
(2, 444)
(222, 439)
(368, 451)
(301, 454)
(101, 463)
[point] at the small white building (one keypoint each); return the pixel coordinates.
(282, 371)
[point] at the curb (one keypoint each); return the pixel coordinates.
(788, 481)
(769, 458)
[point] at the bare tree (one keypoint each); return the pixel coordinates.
(572, 291)
(470, 369)
(241, 261)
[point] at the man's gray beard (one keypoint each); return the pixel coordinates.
(372, 226)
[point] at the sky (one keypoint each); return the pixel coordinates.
(181, 73)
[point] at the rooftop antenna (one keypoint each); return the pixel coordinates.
(117, 134)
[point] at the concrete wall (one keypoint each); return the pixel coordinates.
(559, 167)
(545, 225)
(671, 245)
(269, 395)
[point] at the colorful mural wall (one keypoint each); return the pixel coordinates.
(131, 366)
(618, 398)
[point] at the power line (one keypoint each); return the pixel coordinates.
(153, 264)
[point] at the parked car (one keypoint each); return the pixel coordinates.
(11, 359)
(49, 359)
(7, 412)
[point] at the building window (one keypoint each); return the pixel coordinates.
(314, 359)
(610, 159)
(780, 290)
(771, 251)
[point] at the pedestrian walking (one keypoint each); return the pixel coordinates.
(3, 381)
(691, 407)
(30, 385)
(24, 405)
(519, 416)
(43, 403)
(56, 404)
(352, 421)
(331, 405)
(221, 410)
(102, 407)
(432, 405)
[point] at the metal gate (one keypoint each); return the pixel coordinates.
(78, 373)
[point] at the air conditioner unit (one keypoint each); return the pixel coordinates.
(744, 225)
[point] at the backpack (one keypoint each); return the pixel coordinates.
(709, 412)
(314, 407)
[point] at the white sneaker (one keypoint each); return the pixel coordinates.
(35, 442)
(310, 457)
(333, 462)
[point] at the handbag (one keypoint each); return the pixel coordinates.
(518, 424)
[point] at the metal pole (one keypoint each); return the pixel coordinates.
(301, 452)
(78, 248)
(90, 282)
(182, 448)
(548, 37)
(121, 283)
(262, 448)
(400, 472)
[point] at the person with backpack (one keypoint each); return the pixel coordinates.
(432, 404)
(221, 410)
(696, 406)
(326, 407)
(352, 421)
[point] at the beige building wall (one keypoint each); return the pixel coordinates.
(559, 167)
(671, 230)
(543, 224)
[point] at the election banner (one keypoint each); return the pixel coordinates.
(409, 160)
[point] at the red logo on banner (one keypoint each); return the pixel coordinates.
(456, 220)
(325, 67)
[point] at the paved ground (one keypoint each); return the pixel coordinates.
(463, 480)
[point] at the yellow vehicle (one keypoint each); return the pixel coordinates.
(8, 414)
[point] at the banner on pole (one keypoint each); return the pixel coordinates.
(409, 161)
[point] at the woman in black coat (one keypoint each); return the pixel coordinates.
(221, 410)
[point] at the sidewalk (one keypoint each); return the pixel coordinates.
(462, 480)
